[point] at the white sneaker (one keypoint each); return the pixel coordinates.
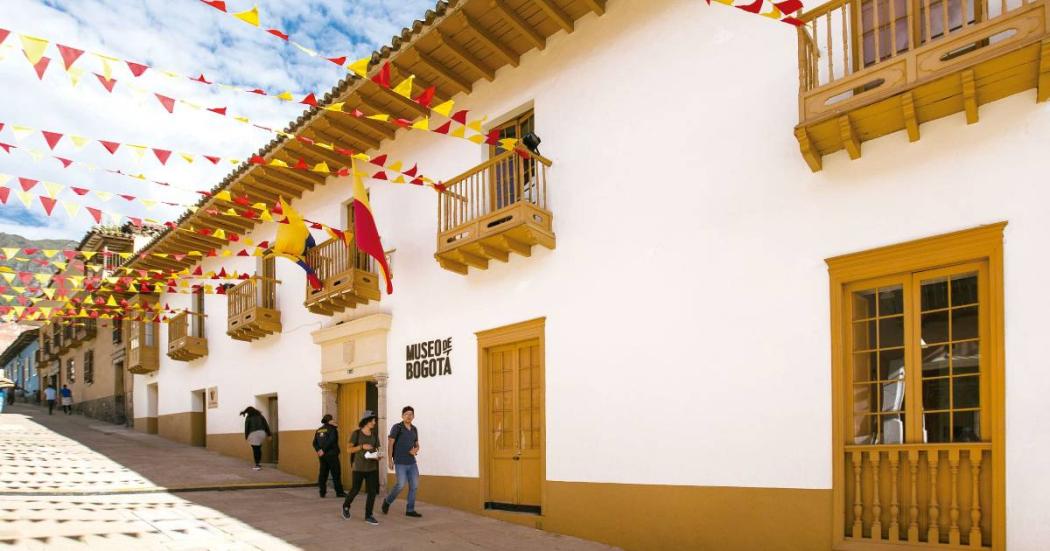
(256, 468)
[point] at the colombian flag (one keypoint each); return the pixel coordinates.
(293, 240)
(365, 228)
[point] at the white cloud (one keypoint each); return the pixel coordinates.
(184, 36)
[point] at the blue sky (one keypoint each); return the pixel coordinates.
(185, 36)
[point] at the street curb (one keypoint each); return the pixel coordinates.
(161, 489)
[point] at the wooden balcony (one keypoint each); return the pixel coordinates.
(185, 338)
(928, 60)
(494, 209)
(85, 330)
(933, 496)
(252, 310)
(348, 277)
(140, 347)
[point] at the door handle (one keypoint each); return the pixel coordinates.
(517, 457)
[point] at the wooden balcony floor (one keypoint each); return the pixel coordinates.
(514, 229)
(254, 323)
(187, 349)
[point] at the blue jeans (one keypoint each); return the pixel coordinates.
(405, 474)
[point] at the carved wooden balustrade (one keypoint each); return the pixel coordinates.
(348, 277)
(185, 339)
(141, 349)
(252, 309)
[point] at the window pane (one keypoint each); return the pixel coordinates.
(935, 361)
(968, 426)
(964, 323)
(893, 395)
(934, 294)
(935, 394)
(864, 366)
(938, 427)
(864, 429)
(966, 357)
(864, 304)
(935, 328)
(891, 301)
(891, 364)
(864, 335)
(966, 392)
(865, 396)
(892, 429)
(891, 332)
(964, 289)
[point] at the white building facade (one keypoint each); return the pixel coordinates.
(668, 375)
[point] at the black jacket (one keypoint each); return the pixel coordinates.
(253, 423)
(327, 438)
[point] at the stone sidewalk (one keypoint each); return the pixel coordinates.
(67, 482)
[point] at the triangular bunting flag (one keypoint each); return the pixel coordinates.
(110, 146)
(52, 138)
(168, 103)
(250, 17)
(33, 47)
(136, 68)
(69, 54)
(107, 83)
(41, 66)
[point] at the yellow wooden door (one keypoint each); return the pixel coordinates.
(515, 440)
(351, 404)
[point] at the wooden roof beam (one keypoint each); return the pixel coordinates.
(347, 119)
(501, 49)
(555, 13)
(466, 57)
(444, 72)
(597, 6)
(326, 124)
(253, 195)
(280, 188)
(519, 24)
(314, 155)
(402, 101)
(282, 174)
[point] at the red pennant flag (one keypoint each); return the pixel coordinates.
(426, 97)
(162, 155)
(337, 60)
(305, 140)
(264, 245)
(7, 147)
(343, 172)
(168, 103)
(70, 255)
(381, 175)
(52, 138)
(136, 68)
(136, 221)
(65, 162)
(257, 160)
(95, 213)
(4, 193)
(217, 4)
(106, 83)
(69, 55)
(412, 171)
(379, 161)
(243, 253)
(127, 197)
(79, 190)
(201, 79)
(3, 35)
(403, 123)
(460, 116)
(41, 66)
(198, 271)
(382, 78)
(242, 200)
(214, 160)
(316, 226)
(278, 34)
(493, 137)
(417, 181)
(788, 6)
(444, 128)
(793, 21)
(301, 165)
(110, 146)
(440, 187)
(49, 204)
(752, 8)
(259, 91)
(219, 110)
(27, 183)
(310, 99)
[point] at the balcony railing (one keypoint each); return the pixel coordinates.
(185, 342)
(252, 309)
(141, 346)
(348, 277)
(494, 209)
(868, 68)
(920, 494)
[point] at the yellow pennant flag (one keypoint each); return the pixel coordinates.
(219, 234)
(278, 162)
(360, 67)
(33, 47)
(111, 302)
(104, 195)
(124, 256)
(398, 180)
(476, 125)
(139, 150)
(224, 195)
(59, 265)
(107, 69)
(250, 17)
(405, 87)
(53, 189)
(11, 252)
(36, 155)
(187, 157)
(79, 141)
(21, 132)
(42, 278)
(477, 138)
(338, 106)
(321, 167)
(71, 208)
(508, 143)
(459, 132)
(379, 117)
(286, 96)
(444, 109)
(49, 292)
(26, 198)
(242, 119)
(230, 212)
(265, 216)
(422, 124)
(396, 166)
(49, 252)
(227, 252)
(75, 73)
(150, 203)
(8, 276)
(88, 255)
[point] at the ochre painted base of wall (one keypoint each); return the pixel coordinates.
(147, 425)
(184, 428)
(296, 452)
(656, 517)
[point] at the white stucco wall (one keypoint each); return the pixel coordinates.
(687, 300)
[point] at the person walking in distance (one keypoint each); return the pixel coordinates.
(49, 395)
(256, 430)
(403, 444)
(364, 462)
(326, 444)
(67, 400)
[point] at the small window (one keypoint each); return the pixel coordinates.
(118, 332)
(71, 370)
(511, 177)
(197, 311)
(89, 367)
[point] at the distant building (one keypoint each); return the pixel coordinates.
(19, 362)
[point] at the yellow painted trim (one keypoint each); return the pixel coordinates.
(984, 243)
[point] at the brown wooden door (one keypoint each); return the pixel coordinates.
(351, 403)
(274, 429)
(515, 441)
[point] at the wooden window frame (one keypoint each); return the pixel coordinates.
(89, 367)
(981, 244)
(493, 150)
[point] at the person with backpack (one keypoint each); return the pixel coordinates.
(403, 443)
(364, 462)
(326, 444)
(256, 431)
(67, 400)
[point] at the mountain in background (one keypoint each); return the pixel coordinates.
(8, 331)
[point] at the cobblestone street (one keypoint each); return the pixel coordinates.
(69, 483)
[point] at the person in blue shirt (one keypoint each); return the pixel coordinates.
(67, 400)
(403, 444)
(3, 399)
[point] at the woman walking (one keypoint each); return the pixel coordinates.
(364, 453)
(256, 429)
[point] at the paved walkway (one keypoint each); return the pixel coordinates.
(67, 482)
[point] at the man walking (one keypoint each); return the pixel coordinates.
(403, 444)
(326, 444)
(67, 400)
(49, 395)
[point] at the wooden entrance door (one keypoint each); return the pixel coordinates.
(514, 409)
(271, 406)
